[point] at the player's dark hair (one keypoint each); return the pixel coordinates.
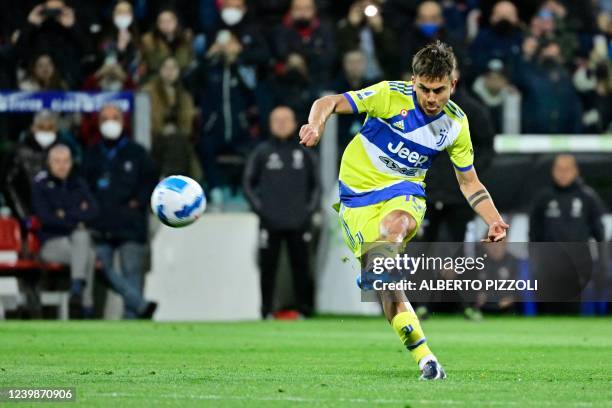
(434, 61)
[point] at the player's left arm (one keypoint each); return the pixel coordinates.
(481, 202)
(461, 154)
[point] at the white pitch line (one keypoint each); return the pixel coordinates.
(321, 400)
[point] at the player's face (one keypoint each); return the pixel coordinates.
(433, 94)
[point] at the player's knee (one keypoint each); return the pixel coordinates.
(396, 226)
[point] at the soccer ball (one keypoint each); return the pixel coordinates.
(178, 201)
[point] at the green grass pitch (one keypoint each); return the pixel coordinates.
(331, 361)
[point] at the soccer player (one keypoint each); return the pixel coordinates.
(382, 189)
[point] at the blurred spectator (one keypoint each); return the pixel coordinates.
(43, 76)
(235, 27)
(365, 29)
(269, 13)
(493, 88)
(446, 206)
(399, 14)
(306, 36)
(295, 88)
(52, 28)
(281, 184)
(65, 207)
(550, 102)
(226, 86)
(167, 38)
(501, 265)
(594, 85)
(428, 26)
(172, 115)
(121, 175)
(502, 40)
(28, 159)
(188, 11)
(110, 77)
(352, 77)
(550, 24)
(121, 41)
(568, 211)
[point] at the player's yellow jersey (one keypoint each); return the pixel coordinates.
(397, 144)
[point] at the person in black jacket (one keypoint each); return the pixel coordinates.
(282, 186)
(65, 207)
(569, 211)
(122, 176)
(52, 27)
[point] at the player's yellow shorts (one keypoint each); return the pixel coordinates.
(362, 224)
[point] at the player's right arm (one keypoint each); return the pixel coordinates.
(321, 110)
(374, 100)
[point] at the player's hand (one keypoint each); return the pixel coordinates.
(497, 231)
(310, 135)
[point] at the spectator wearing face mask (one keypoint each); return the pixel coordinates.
(121, 42)
(166, 39)
(501, 40)
(550, 104)
(226, 88)
(236, 33)
(305, 35)
(28, 159)
(365, 29)
(121, 176)
(43, 76)
(172, 115)
(53, 28)
(65, 208)
(429, 26)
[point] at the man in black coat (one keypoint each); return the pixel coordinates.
(282, 186)
(569, 211)
(66, 208)
(122, 176)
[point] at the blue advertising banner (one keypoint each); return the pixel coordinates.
(16, 101)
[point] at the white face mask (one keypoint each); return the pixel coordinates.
(232, 15)
(111, 129)
(44, 139)
(123, 21)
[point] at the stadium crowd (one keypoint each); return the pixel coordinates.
(215, 70)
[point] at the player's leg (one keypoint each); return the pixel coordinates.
(398, 226)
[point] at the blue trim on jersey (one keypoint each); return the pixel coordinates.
(378, 133)
(463, 169)
(352, 199)
(351, 101)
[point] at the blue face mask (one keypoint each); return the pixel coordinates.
(429, 29)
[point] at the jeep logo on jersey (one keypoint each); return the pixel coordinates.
(405, 153)
(396, 167)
